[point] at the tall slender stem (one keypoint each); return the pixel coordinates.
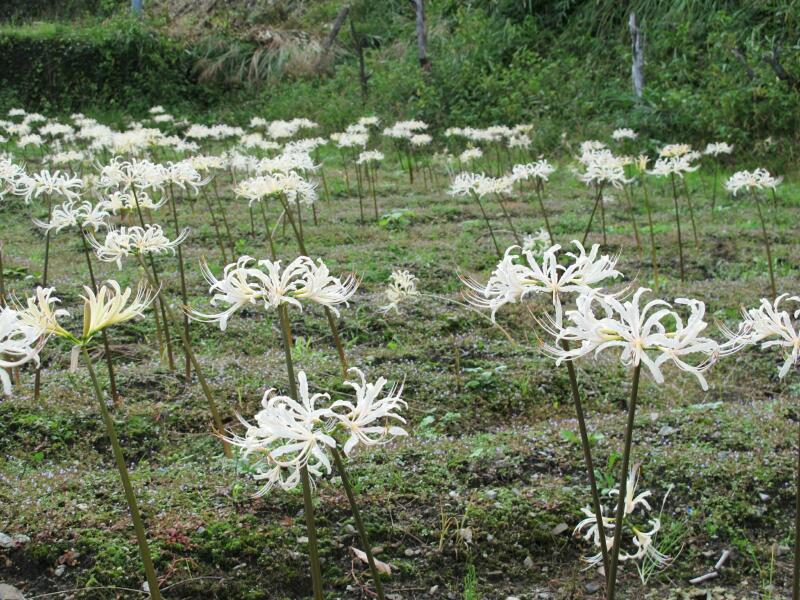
(623, 484)
(308, 503)
(796, 579)
(362, 531)
(766, 244)
(112, 379)
(587, 456)
(603, 218)
(157, 286)
(539, 186)
(373, 180)
(488, 224)
(508, 219)
(3, 301)
(629, 199)
(268, 230)
(184, 294)
(212, 405)
(37, 378)
(220, 243)
(678, 224)
(597, 198)
(652, 233)
(328, 313)
(224, 217)
(138, 525)
(691, 211)
(714, 187)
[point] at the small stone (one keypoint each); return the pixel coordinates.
(60, 570)
(394, 596)
(592, 587)
(433, 590)
(9, 592)
(559, 529)
(82, 506)
(490, 538)
(350, 529)
(302, 540)
(764, 497)
(782, 550)
(666, 430)
(528, 562)
(6, 541)
(21, 539)
(490, 494)
(410, 552)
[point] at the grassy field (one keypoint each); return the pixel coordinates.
(481, 500)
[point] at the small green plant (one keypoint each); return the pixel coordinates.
(397, 219)
(471, 584)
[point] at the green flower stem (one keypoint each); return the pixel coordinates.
(268, 230)
(508, 219)
(714, 187)
(587, 456)
(372, 182)
(37, 378)
(629, 201)
(766, 244)
(220, 243)
(539, 187)
(224, 217)
(138, 525)
(796, 579)
(691, 211)
(362, 531)
(597, 199)
(184, 295)
(3, 301)
(212, 405)
(328, 313)
(652, 233)
(157, 286)
(623, 484)
(488, 224)
(112, 379)
(678, 225)
(308, 503)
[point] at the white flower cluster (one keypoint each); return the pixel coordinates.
(249, 282)
(290, 434)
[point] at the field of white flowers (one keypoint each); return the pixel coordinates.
(273, 361)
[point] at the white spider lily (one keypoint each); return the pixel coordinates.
(370, 420)
(19, 343)
(603, 168)
(769, 326)
(40, 313)
(536, 243)
(717, 148)
(624, 133)
(674, 150)
(673, 165)
(601, 322)
(635, 505)
(45, 183)
(751, 180)
(69, 215)
(122, 202)
(470, 154)
(250, 282)
(318, 285)
(288, 435)
(126, 241)
(512, 282)
(110, 306)
(402, 288)
(541, 170)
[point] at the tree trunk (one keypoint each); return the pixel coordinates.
(422, 38)
(337, 25)
(362, 68)
(637, 52)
